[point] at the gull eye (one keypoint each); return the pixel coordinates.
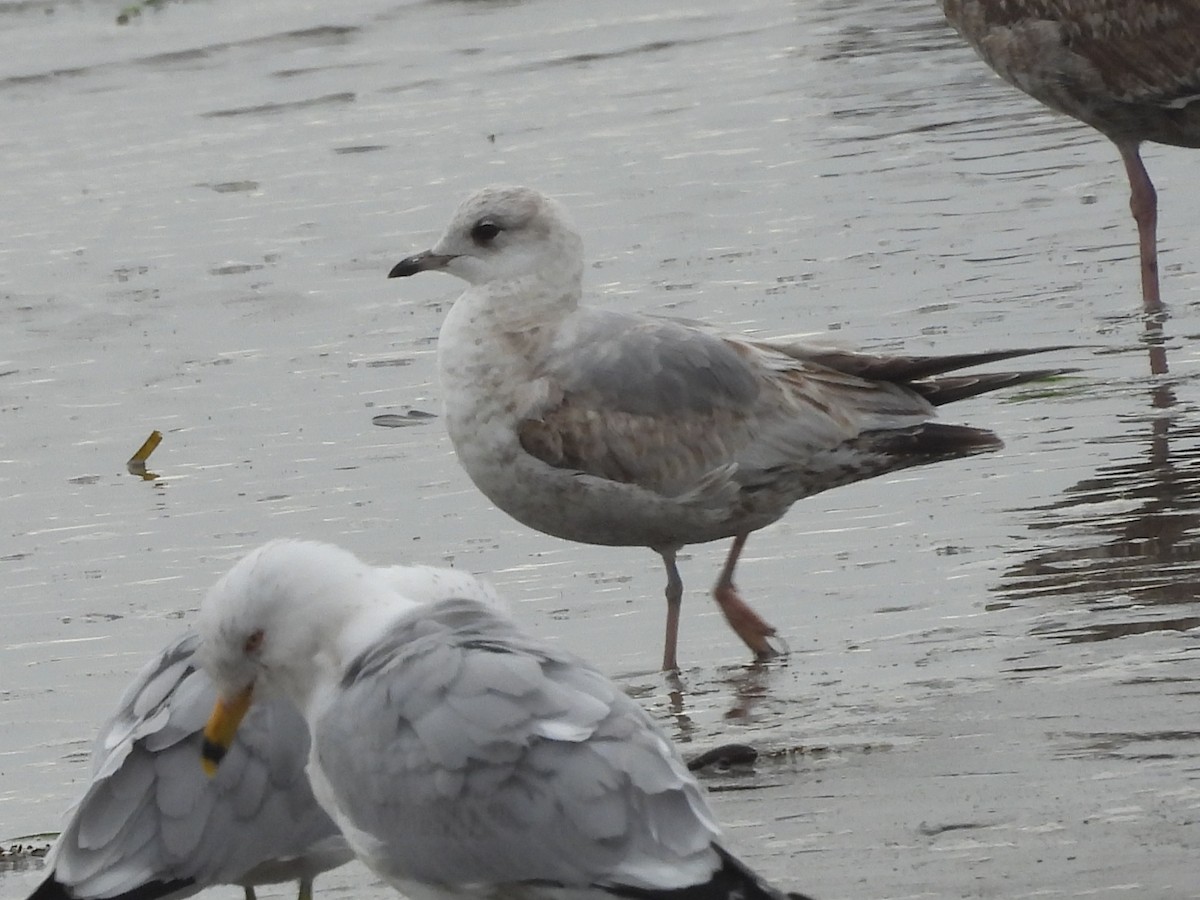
(253, 643)
(485, 232)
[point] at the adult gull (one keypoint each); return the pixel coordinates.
(151, 825)
(460, 756)
(632, 430)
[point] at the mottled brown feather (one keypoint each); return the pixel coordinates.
(1125, 67)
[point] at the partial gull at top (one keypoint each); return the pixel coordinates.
(631, 430)
(1128, 68)
(151, 825)
(461, 757)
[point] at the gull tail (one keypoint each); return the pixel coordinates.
(733, 881)
(902, 447)
(875, 453)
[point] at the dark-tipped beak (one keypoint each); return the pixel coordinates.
(222, 725)
(421, 262)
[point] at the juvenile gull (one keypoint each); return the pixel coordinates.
(631, 430)
(1128, 68)
(152, 825)
(461, 757)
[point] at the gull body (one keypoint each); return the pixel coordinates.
(633, 430)
(1128, 68)
(151, 825)
(460, 756)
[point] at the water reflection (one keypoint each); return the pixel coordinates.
(1136, 746)
(1127, 536)
(750, 686)
(749, 693)
(897, 29)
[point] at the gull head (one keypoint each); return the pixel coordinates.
(268, 626)
(505, 233)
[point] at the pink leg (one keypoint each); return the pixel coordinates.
(749, 625)
(1143, 203)
(674, 602)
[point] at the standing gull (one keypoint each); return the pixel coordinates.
(1128, 68)
(460, 757)
(632, 430)
(151, 825)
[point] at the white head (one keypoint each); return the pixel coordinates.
(270, 626)
(293, 612)
(505, 233)
(271, 614)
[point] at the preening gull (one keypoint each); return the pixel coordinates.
(152, 825)
(460, 756)
(632, 430)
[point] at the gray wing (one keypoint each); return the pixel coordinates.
(647, 365)
(470, 753)
(661, 404)
(150, 814)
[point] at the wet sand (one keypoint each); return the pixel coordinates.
(993, 684)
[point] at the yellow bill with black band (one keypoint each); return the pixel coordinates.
(222, 725)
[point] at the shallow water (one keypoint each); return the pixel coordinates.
(993, 682)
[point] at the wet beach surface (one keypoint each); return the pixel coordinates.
(994, 684)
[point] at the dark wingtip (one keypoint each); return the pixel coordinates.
(50, 889)
(950, 388)
(908, 369)
(732, 881)
(930, 442)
